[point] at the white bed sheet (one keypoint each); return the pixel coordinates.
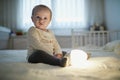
(102, 65)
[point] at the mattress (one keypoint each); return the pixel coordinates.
(102, 65)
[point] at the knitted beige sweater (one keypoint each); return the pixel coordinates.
(42, 40)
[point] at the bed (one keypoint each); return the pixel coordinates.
(104, 64)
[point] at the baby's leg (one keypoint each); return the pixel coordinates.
(40, 56)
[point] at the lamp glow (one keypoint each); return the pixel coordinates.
(78, 57)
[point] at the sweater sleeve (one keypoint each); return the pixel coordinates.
(57, 48)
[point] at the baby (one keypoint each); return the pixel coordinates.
(42, 44)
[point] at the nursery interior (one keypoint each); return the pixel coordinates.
(92, 26)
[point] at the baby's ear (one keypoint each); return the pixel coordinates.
(32, 18)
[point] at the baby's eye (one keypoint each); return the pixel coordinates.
(45, 18)
(37, 17)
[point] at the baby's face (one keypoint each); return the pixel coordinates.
(41, 19)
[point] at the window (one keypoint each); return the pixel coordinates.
(67, 14)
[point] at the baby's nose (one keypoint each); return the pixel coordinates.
(41, 20)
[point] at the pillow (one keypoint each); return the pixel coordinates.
(4, 29)
(111, 45)
(117, 49)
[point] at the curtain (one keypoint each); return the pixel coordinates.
(94, 11)
(8, 13)
(67, 15)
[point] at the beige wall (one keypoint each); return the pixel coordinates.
(64, 41)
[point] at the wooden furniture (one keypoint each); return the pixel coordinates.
(18, 42)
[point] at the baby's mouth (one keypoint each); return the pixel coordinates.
(41, 23)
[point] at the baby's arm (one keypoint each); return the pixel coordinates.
(57, 48)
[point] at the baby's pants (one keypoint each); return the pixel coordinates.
(40, 56)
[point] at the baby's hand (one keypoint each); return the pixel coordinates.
(58, 55)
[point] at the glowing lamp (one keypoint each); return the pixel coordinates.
(78, 57)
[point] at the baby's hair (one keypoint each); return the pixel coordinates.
(39, 8)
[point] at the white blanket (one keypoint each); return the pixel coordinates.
(101, 66)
